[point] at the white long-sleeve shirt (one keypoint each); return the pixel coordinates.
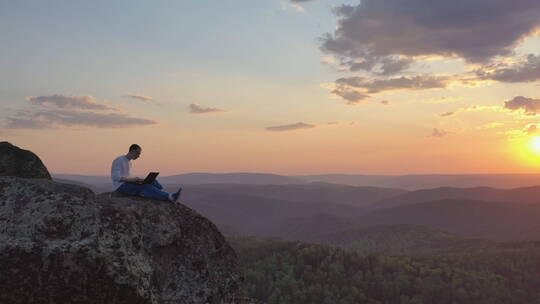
(120, 168)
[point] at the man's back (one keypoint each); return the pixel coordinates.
(120, 168)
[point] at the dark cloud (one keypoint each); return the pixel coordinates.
(61, 118)
(196, 109)
(418, 82)
(527, 70)
(438, 133)
(291, 127)
(66, 111)
(69, 102)
(356, 89)
(529, 105)
(385, 102)
(139, 97)
(386, 35)
(351, 95)
(390, 65)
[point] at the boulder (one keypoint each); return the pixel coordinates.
(61, 243)
(22, 163)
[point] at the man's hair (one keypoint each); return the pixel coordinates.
(134, 147)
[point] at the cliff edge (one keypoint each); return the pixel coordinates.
(61, 243)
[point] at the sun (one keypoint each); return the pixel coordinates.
(535, 144)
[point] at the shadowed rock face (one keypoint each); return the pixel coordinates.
(22, 163)
(61, 243)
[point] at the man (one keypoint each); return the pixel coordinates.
(126, 184)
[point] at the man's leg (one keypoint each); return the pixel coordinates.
(151, 191)
(157, 184)
(130, 189)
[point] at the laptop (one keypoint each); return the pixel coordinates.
(150, 178)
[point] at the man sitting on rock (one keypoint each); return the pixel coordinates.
(123, 183)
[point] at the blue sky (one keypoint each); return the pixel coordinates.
(389, 86)
(87, 44)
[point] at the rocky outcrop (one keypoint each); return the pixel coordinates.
(22, 163)
(61, 243)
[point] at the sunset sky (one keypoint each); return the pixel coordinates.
(275, 86)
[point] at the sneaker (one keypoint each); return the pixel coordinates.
(176, 195)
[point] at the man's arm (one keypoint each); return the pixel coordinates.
(130, 179)
(116, 173)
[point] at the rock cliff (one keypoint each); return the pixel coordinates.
(22, 163)
(61, 243)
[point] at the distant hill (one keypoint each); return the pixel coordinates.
(308, 193)
(255, 215)
(466, 218)
(93, 180)
(195, 179)
(518, 195)
(415, 182)
(231, 178)
(408, 182)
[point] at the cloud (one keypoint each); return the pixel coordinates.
(418, 82)
(529, 129)
(196, 109)
(351, 95)
(529, 105)
(60, 118)
(472, 109)
(447, 114)
(438, 133)
(294, 6)
(386, 36)
(356, 88)
(385, 102)
(290, 127)
(69, 102)
(139, 97)
(527, 70)
(341, 123)
(67, 111)
(532, 129)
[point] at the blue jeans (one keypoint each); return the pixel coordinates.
(153, 190)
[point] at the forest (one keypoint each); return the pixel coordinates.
(278, 271)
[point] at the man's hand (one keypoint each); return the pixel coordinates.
(131, 179)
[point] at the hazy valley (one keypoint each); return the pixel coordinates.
(452, 230)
